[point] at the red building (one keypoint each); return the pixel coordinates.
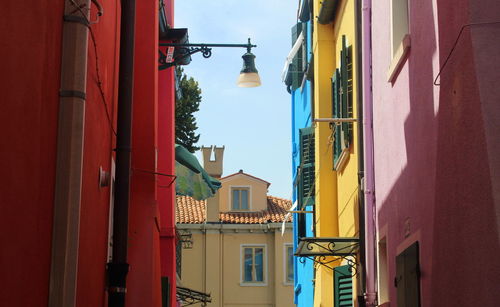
(62, 80)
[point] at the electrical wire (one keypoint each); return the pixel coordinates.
(96, 54)
(455, 45)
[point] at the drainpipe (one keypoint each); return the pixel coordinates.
(118, 267)
(69, 156)
(369, 189)
(359, 106)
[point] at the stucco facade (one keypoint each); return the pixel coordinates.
(220, 236)
(337, 195)
(435, 126)
(301, 105)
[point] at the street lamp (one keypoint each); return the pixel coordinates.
(249, 76)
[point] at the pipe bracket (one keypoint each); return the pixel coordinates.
(74, 94)
(78, 19)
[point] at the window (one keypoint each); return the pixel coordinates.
(399, 23)
(407, 279)
(299, 62)
(239, 198)
(288, 263)
(343, 286)
(253, 264)
(400, 37)
(383, 280)
(342, 105)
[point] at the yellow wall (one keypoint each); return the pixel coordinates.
(336, 192)
(213, 265)
(258, 192)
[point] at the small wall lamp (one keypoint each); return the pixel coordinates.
(249, 76)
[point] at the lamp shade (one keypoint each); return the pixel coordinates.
(249, 76)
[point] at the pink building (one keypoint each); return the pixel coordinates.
(436, 141)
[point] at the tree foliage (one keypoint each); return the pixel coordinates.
(187, 103)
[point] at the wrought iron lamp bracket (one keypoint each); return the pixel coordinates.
(190, 49)
(325, 251)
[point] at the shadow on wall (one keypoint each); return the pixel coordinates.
(445, 191)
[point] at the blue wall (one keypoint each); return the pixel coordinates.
(301, 118)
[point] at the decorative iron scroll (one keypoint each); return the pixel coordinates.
(325, 251)
(189, 297)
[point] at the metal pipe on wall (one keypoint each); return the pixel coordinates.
(369, 189)
(118, 267)
(69, 161)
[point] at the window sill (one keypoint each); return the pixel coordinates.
(341, 162)
(253, 284)
(398, 59)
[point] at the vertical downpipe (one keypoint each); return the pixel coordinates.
(118, 268)
(361, 174)
(69, 160)
(371, 295)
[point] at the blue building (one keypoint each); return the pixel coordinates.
(297, 76)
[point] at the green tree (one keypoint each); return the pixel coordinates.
(187, 102)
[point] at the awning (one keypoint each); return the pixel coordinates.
(304, 10)
(327, 11)
(192, 179)
(291, 55)
(188, 297)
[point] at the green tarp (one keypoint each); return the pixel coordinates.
(192, 180)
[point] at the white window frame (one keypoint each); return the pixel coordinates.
(240, 187)
(285, 264)
(400, 46)
(244, 283)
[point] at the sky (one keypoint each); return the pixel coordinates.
(254, 124)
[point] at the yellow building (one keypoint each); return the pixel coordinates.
(336, 152)
(233, 247)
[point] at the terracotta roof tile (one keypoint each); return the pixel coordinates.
(191, 211)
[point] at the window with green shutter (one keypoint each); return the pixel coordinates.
(343, 286)
(407, 279)
(307, 174)
(342, 102)
(299, 62)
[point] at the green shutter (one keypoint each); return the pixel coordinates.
(408, 277)
(336, 113)
(307, 173)
(346, 76)
(297, 68)
(343, 286)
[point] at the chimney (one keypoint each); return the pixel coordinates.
(214, 169)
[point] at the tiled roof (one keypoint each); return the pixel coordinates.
(191, 211)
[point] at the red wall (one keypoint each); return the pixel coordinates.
(144, 279)
(166, 162)
(98, 150)
(29, 78)
(28, 120)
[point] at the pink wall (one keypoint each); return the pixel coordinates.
(435, 150)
